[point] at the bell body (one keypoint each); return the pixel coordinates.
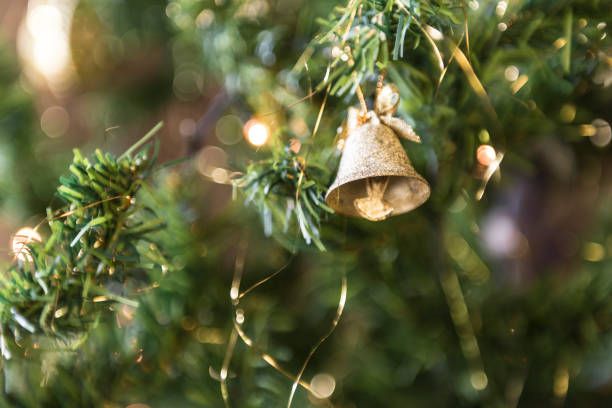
(372, 152)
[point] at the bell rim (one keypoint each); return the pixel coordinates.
(406, 172)
(341, 210)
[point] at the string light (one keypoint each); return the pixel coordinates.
(491, 169)
(256, 132)
(21, 240)
(485, 154)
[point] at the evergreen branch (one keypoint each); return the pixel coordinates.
(96, 251)
(281, 187)
(363, 35)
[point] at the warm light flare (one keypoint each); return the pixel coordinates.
(21, 240)
(485, 154)
(256, 132)
(44, 38)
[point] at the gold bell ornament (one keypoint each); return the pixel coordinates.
(375, 179)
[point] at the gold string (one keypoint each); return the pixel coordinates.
(229, 351)
(381, 80)
(451, 287)
(473, 80)
(314, 133)
(461, 59)
(491, 169)
(339, 311)
(70, 212)
(267, 278)
(359, 92)
(292, 104)
(445, 70)
(238, 332)
(271, 361)
(225, 368)
(466, 30)
(432, 43)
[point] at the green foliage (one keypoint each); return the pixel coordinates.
(282, 188)
(407, 337)
(99, 251)
(361, 35)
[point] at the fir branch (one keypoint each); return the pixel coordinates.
(282, 187)
(360, 36)
(97, 251)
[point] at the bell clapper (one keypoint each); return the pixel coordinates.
(374, 207)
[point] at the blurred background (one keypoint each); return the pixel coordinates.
(496, 293)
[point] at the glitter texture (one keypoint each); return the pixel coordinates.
(373, 150)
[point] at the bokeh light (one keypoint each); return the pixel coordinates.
(484, 136)
(479, 380)
(22, 238)
(295, 145)
(511, 73)
(501, 236)
(593, 252)
(567, 112)
(55, 121)
(188, 127)
(323, 385)
(256, 132)
(188, 84)
(44, 38)
(485, 154)
(602, 134)
(212, 164)
(229, 130)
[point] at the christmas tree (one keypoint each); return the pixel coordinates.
(261, 203)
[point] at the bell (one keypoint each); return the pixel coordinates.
(375, 179)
